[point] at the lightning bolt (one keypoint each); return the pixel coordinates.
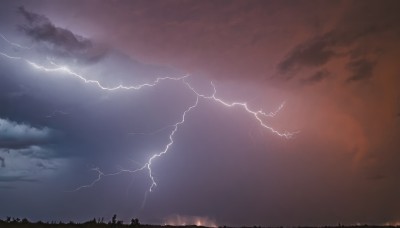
(12, 43)
(171, 141)
(68, 71)
(150, 161)
(65, 69)
(100, 175)
(258, 115)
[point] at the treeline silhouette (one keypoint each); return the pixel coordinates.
(113, 223)
(99, 222)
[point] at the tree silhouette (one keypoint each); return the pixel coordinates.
(135, 222)
(25, 221)
(114, 219)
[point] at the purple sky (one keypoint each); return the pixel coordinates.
(333, 64)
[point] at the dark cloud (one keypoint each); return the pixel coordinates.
(16, 179)
(29, 164)
(349, 34)
(315, 52)
(361, 69)
(14, 135)
(20, 143)
(34, 152)
(317, 77)
(3, 162)
(321, 49)
(40, 28)
(60, 41)
(41, 165)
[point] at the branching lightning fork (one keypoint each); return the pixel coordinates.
(258, 115)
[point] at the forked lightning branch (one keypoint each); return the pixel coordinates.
(258, 115)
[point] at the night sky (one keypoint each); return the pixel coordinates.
(329, 70)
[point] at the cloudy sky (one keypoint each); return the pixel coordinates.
(334, 66)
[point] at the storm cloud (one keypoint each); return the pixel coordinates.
(14, 135)
(24, 149)
(60, 41)
(354, 33)
(360, 69)
(41, 29)
(313, 53)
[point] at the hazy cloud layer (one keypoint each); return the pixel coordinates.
(29, 165)
(15, 179)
